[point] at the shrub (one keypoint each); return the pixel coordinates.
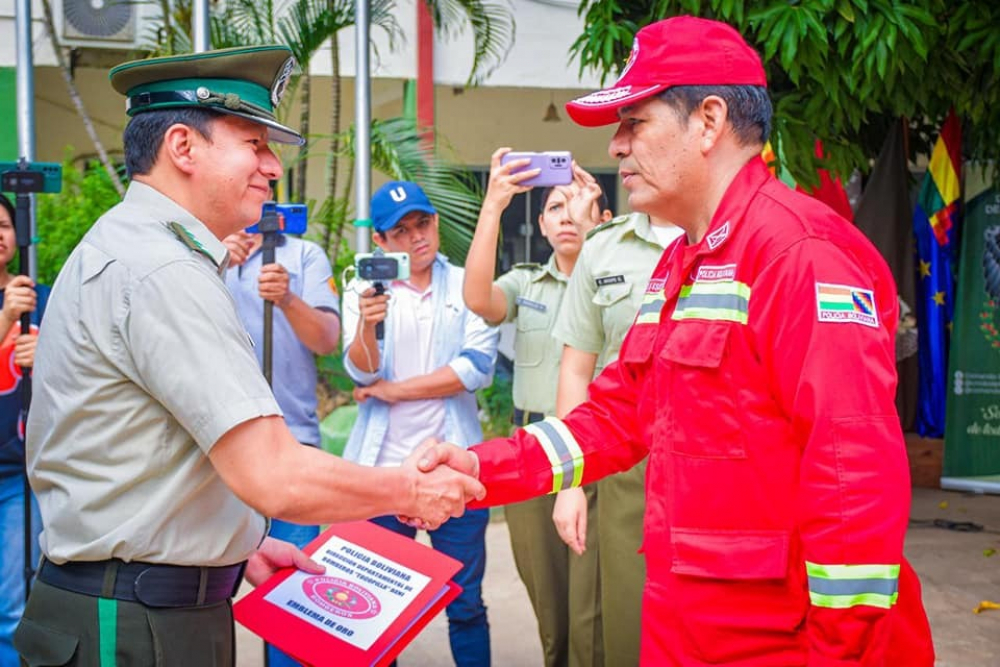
(496, 404)
(63, 218)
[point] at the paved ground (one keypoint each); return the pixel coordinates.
(954, 568)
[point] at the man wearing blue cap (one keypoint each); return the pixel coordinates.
(155, 446)
(419, 382)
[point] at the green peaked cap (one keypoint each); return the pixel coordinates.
(243, 81)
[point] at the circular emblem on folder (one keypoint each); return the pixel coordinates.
(341, 598)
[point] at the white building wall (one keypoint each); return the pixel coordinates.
(42, 46)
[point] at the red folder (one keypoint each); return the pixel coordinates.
(379, 591)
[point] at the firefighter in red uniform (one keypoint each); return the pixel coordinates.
(759, 377)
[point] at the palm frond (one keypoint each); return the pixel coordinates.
(305, 27)
(254, 19)
(168, 31)
(382, 15)
(493, 31)
(399, 151)
(224, 34)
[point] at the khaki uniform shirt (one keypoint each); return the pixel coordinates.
(534, 294)
(144, 365)
(607, 287)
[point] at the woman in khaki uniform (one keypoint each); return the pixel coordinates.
(563, 587)
(601, 302)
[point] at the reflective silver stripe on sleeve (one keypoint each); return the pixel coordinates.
(562, 450)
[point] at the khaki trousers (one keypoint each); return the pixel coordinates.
(621, 504)
(564, 588)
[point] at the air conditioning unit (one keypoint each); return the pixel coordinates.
(102, 24)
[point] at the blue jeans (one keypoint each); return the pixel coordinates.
(464, 539)
(12, 561)
(299, 536)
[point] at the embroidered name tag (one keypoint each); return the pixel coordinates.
(715, 274)
(843, 303)
(609, 280)
(528, 303)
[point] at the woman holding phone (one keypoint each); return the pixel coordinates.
(529, 295)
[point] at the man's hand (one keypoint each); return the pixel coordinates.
(434, 453)
(444, 481)
(373, 307)
(384, 390)
(18, 298)
(240, 245)
(272, 283)
(24, 350)
(275, 554)
(570, 517)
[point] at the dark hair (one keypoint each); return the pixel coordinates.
(602, 201)
(7, 206)
(750, 108)
(144, 134)
(546, 193)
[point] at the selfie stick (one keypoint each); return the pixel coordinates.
(379, 291)
(21, 182)
(379, 326)
(269, 226)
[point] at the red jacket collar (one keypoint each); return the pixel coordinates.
(733, 206)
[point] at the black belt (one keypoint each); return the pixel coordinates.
(522, 418)
(146, 583)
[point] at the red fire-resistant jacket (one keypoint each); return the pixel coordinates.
(760, 379)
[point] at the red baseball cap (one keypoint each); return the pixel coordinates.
(679, 51)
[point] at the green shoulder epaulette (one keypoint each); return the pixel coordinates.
(188, 239)
(527, 265)
(613, 222)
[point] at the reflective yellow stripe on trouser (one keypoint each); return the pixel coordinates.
(562, 450)
(845, 586)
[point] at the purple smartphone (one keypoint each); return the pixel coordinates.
(556, 166)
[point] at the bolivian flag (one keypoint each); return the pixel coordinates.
(935, 223)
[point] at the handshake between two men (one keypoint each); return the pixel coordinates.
(447, 480)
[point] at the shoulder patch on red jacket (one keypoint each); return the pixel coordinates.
(846, 304)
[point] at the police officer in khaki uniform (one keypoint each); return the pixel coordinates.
(155, 447)
(604, 295)
(563, 588)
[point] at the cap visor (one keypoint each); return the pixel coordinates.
(276, 132)
(601, 107)
(402, 212)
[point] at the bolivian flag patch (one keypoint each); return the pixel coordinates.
(843, 303)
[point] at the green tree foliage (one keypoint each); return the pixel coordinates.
(496, 407)
(842, 70)
(62, 219)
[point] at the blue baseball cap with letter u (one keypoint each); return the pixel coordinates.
(394, 200)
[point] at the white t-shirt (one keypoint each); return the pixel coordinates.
(666, 234)
(411, 422)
